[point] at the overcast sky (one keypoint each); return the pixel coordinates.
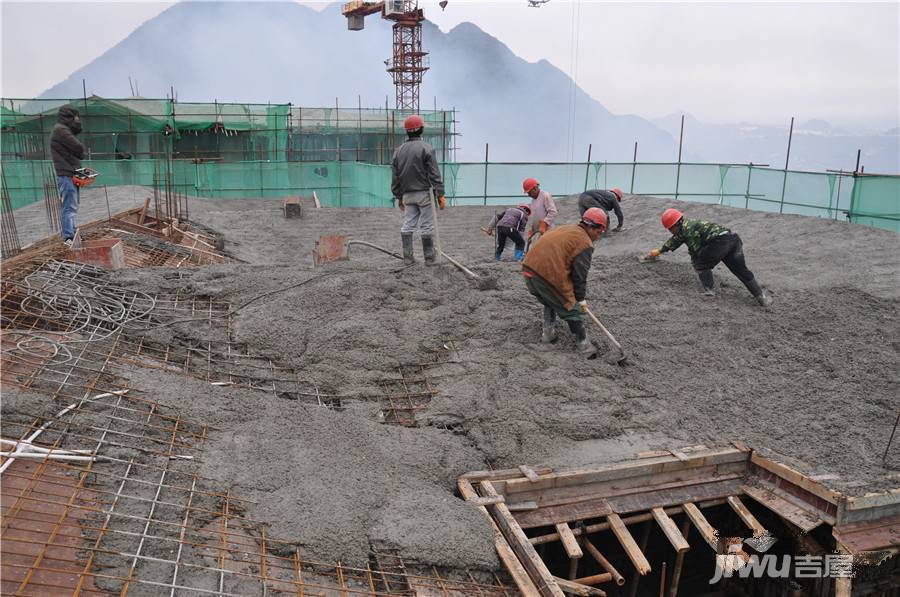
(720, 61)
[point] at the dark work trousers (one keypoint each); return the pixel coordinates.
(728, 249)
(504, 232)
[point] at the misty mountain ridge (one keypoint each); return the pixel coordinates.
(287, 52)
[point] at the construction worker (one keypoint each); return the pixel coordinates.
(67, 153)
(542, 208)
(414, 176)
(606, 200)
(709, 244)
(556, 270)
(510, 224)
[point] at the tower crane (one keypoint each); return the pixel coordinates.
(409, 61)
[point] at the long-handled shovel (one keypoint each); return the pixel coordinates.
(621, 358)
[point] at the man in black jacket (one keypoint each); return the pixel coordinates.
(67, 153)
(414, 175)
(606, 200)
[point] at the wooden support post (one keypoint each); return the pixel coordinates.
(636, 577)
(662, 580)
(518, 573)
(573, 588)
(710, 535)
(604, 563)
(544, 581)
(671, 530)
(143, 213)
(631, 547)
(570, 544)
(745, 515)
(679, 560)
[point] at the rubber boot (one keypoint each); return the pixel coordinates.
(548, 330)
(582, 344)
(758, 293)
(498, 254)
(519, 255)
(407, 240)
(706, 279)
(428, 249)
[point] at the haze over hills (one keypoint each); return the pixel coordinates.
(286, 52)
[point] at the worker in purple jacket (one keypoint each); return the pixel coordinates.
(510, 224)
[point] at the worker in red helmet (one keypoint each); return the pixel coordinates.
(510, 224)
(414, 177)
(556, 271)
(708, 244)
(543, 209)
(606, 200)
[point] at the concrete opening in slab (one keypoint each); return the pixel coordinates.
(699, 521)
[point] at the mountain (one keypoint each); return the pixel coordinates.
(286, 52)
(815, 146)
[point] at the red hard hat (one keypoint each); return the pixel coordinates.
(595, 217)
(413, 122)
(529, 184)
(670, 217)
(618, 193)
(526, 208)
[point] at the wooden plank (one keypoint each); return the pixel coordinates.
(567, 513)
(795, 477)
(670, 529)
(604, 563)
(570, 543)
(709, 534)
(745, 515)
(143, 212)
(506, 473)
(874, 500)
(316, 200)
(633, 468)
(631, 547)
(802, 519)
(529, 473)
(518, 541)
(520, 506)
(513, 566)
(574, 588)
(486, 501)
(527, 490)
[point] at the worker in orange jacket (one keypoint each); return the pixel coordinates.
(556, 271)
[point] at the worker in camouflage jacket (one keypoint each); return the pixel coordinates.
(708, 244)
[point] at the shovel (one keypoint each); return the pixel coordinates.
(621, 358)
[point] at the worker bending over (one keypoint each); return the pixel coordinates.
(510, 225)
(606, 200)
(414, 174)
(556, 271)
(709, 244)
(543, 208)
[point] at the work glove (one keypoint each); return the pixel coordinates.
(583, 306)
(654, 253)
(544, 226)
(442, 202)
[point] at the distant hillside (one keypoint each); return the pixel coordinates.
(286, 52)
(816, 145)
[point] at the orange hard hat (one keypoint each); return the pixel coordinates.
(413, 122)
(529, 184)
(670, 217)
(596, 218)
(618, 193)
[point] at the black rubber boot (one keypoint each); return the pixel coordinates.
(582, 344)
(428, 249)
(758, 293)
(548, 330)
(408, 258)
(709, 284)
